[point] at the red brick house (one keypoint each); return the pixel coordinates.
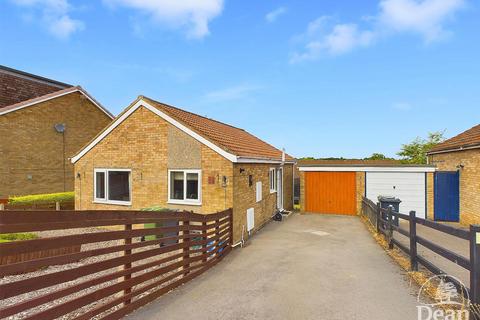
(154, 154)
(43, 122)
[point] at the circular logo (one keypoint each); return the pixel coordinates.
(444, 290)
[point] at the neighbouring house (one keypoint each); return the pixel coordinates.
(338, 186)
(154, 154)
(457, 180)
(43, 123)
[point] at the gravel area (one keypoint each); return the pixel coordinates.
(72, 266)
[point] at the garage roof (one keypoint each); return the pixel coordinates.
(365, 167)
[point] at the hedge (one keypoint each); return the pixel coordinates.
(17, 236)
(42, 198)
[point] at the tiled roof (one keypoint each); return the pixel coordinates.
(469, 138)
(233, 140)
(17, 86)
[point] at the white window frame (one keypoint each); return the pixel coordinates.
(272, 173)
(186, 201)
(105, 200)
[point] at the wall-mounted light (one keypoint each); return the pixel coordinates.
(242, 170)
(460, 167)
(60, 127)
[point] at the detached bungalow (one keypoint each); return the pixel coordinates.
(457, 180)
(154, 154)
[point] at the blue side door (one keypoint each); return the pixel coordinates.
(447, 196)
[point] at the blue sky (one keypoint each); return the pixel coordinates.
(320, 78)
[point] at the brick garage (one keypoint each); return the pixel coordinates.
(33, 155)
(160, 147)
(462, 154)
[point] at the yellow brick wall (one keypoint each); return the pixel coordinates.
(244, 197)
(360, 187)
(31, 151)
(140, 143)
(430, 195)
(469, 180)
(302, 190)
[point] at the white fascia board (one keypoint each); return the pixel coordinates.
(367, 169)
(262, 160)
(140, 103)
(453, 150)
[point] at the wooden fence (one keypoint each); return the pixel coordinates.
(117, 270)
(387, 227)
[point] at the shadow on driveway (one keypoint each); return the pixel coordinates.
(307, 267)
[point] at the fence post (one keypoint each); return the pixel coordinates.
(390, 227)
(230, 214)
(379, 215)
(186, 249)
(128, 227)
(413, 241)
(205, 245)
(475, 264)
(57, 206)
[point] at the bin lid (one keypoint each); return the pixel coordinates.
(384, 198)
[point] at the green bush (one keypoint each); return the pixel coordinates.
(42, 198)
(17, 236)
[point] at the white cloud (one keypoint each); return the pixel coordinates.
(194, 15)
(231, 93)
(275, 14)
(402, 106)
(54, 15)
(341, 39)
(424, 17)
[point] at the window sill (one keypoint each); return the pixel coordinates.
(273, 191)
(185, 203)
(118, 203)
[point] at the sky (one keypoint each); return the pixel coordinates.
(336, 78)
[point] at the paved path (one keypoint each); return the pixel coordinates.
(307, 267)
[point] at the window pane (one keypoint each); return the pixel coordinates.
(192, 186)
(176, 185)
(119, 185)
(100, 185)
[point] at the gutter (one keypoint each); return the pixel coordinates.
(454, 150)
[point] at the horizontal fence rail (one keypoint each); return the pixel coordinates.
(122, 259)
(382, 220)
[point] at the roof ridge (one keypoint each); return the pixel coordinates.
(195, 114)
(34, 77)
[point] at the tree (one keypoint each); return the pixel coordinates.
(377, 156)
(415, 152)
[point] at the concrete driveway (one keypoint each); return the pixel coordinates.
(307, 267)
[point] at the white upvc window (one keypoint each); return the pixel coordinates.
(185, 187)
(112, 186)
(272, 175)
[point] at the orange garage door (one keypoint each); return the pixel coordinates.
(330, 192)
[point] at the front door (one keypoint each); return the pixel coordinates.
(447, 196)
(280, 189)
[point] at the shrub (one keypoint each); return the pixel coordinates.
(42, 198)
(17, 236)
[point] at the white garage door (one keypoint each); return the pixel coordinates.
(407, 186)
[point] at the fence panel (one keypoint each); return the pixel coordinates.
(120, 264)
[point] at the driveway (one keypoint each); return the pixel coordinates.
(307, 267)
